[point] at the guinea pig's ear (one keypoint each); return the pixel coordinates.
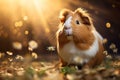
(84, 16)
(63, 14)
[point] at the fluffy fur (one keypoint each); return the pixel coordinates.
(78, 42)
(67, 25)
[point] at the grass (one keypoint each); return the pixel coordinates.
(39, 70)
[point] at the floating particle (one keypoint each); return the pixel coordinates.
(19, 57)
(33, 44)
(115, 50)
(34, 55)
(105, 52)
(30, 49)
(25, 18)
(17, 45)
(51, 48)
(10, 59)
(26, 32)
(112, 46)
(113, 5)
(105, 40)
(19, 24)
(9, 53)
(109, 56)
(108, 25)
(16, 24)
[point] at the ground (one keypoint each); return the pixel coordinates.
(31, 68)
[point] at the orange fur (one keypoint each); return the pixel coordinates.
(82, 35)
(97, 59)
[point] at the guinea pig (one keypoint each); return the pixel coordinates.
(78, 42)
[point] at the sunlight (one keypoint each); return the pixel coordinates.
(37, 13)
(33, 19)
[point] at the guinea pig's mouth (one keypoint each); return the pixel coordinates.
(69, 35)
(68, 32)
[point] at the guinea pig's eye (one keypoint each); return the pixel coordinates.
(77, 22)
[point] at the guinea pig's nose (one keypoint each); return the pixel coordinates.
(66, 27)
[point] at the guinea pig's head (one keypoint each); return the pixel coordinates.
(77, 24)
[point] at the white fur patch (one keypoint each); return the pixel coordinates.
(67, 24)
(98, 35)
(71, 54)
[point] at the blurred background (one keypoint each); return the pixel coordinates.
(30, 25)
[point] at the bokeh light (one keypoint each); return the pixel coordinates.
(108, 25)
(22, 21)
(28, 39)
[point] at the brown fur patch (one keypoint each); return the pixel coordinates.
(62, 39)
(81, 33)
(64, 14)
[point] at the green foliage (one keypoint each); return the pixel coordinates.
(29, 73)
(107, 63)
(67, 70)
(41, 73)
